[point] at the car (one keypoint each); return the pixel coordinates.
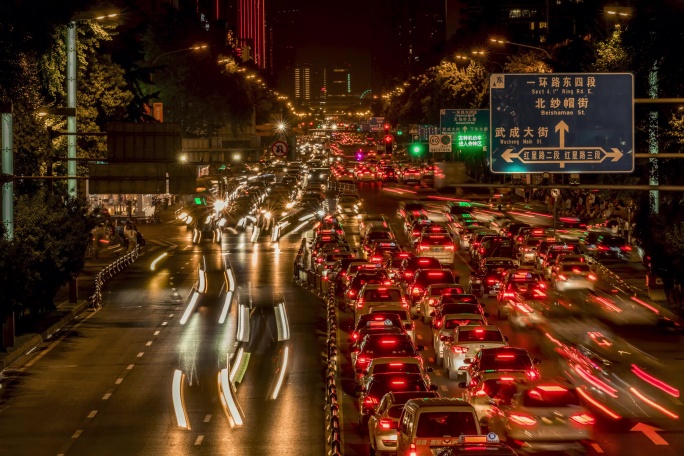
(411, 207)
(522, 281)
(461, 346)
(428, 300)
(554, 252)
(493, 246)
(339, 271)
(572, 276)
(612, 246)
(527, 250)
(371, 222)
(439, 246)
(484, 390)
(542, 249)
(415, 229)
(376, 386)
(383, 424)
(487, 279)
(426, 277)
(379, 296)
(411, 174)
(392, 263)
(389, 364)
(383, 249)
(504, 360)
(409, 266)
(349, 207)
(455, 303)
(375, 236)
(326, 267)
(446, 324)
(378, 277)
(546, 417)
(384, 320)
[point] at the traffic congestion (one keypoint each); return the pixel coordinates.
(459, 319)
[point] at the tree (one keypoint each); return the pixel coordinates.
(527, 62)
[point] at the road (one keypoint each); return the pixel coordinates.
(610, 439)
(104, 385)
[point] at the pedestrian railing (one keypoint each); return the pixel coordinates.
(109, 271)
(308, 277)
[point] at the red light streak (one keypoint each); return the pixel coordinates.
(598, 405)
(672, 391)
(656, 406)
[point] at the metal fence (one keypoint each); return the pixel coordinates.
(109, 271)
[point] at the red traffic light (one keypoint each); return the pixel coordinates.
(388, 139)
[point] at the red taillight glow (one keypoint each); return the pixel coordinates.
(532, 374)
(648, 306)
(387, 424)
(370, 401)
(551, 388)
(459, 349)
(359, 303)
(505, 356)
(672, 391)
(398, 382)
(396, 364)
(656, 406)
(412, 450)
(598, 405)
(388, 341)
(522, 420)
(591, 277)
(584, 419)
(506, 379)
(561, 277)
(435, 274)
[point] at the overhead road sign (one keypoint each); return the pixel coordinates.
(376, 123)
(440, 143)
(562, 123)
(469, 128)
(279, 149)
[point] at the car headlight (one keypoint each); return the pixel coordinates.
(284, 213)
(263, 211)
(267, 215)
(289, 205)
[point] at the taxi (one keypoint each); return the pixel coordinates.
(444, 327)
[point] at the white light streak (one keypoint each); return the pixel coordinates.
(157, 260)
(226, 307)
(281, 374)
(179, 399)
(190, 308)
(229, 404)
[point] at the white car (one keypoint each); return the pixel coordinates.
(543, 417)
(406, 364)
(464, 343)
(442, 329)
(573, 276)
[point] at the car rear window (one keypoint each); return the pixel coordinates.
(385, 347)
(402, 314)
(506, 361)
(436, 240)
(437, 277)
(550, 396)
(396, 367)
(378, 295)
(379, 389)
(441, 291)
(455, 322)
(457, 308)
(446, 424)
(480, 335)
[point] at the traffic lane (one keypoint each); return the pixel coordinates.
(68, 378)
(292, 423)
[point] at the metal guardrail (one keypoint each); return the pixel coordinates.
(313, 281)
(109, 271)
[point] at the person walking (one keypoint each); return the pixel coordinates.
(131, 236)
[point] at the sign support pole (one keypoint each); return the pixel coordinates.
(8, 170)
(555, 213)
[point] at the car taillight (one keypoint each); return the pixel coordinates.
(376, 259)
(508, 294)
(361, 361)
(626, 248)
(603, 248)
(449, 247)
(532, 374)
(591, 277)
(408, 275)
(583, 418)
(404, 302)
(387, 424)
(431, 301)
(456, 349)
(351, 293)
(412, 450)
(522, 420)
(359, 303)
(370, 401)
(561, 277)
(416, 291)
(491, 280)
(355, 335)
(438, 324)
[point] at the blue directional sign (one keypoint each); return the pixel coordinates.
(561, 123)
(469, 128)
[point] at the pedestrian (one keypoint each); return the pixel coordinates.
(131, 236)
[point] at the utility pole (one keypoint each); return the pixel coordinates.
(71, 103)
(7, 170)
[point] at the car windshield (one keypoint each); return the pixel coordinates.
(446, 424)
(550, 396)
(506, 361)
(384, 368)
(380, 295)
(480, 335)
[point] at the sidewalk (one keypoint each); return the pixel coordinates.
(30, 334)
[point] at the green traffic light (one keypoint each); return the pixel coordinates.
(417, 149)
(399, 132)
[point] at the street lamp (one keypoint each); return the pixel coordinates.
(494, 40)
(193, 48)
(465, 57)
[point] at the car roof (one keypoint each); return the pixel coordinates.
(496, 350)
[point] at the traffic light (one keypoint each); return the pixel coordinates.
(387, 129)
(389, 142)
(417, 150)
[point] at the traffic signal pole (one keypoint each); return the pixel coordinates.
(7, 171)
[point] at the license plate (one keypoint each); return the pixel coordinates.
(523, 289)
(437, 249)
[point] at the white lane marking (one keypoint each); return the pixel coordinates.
(106, 396)
(597, 448)
(170, 315)
(207, 418)
(444, 388)
(199, 440)
(420, 337)
(92, 414)
(140, 355)
(149, 342)
(77, 434)
(173, 289)
(130, 366)
(118, 381)
(164, 323)
(156, 333)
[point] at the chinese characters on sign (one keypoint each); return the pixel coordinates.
(566, 123)
(469, 128)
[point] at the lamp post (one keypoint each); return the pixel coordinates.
(71, 96)
(494, 40)
(7, 170)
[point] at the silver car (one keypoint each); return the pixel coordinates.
(573, 276)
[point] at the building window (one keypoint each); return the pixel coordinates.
(531, 25)
(542, 25)
(514, 13)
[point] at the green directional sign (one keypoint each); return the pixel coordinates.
(468, 127)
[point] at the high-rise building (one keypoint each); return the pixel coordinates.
(302, 85)
(251, 29)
